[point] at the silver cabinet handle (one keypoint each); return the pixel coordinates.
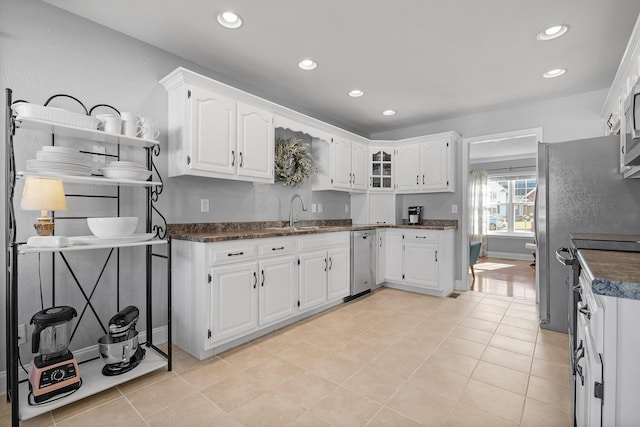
(585, 310)
(255, 280)
(422, 179)
(233, 158)
(380, 241)
(330, 263)
(421, 237)
(579, 355)
(417, 179)
(436, 256)
(325, 264)
(241, 159)
(262, 284)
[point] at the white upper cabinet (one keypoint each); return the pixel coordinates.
(213, 133)
(408, 168)
(359, 166)
(426, 164)
(255, 142)
(381, 169)
(342, 165)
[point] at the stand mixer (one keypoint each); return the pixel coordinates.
(119, 349)
(55, 370)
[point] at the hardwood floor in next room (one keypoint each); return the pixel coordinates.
(506, 277)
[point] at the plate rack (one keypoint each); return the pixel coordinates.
(93, 381)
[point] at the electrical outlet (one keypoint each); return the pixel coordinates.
(98, 149)
(319, 207)
(314, 208)
(22, 334)
(204, 205)
(454, 208)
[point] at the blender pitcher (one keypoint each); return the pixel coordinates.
(52, 332)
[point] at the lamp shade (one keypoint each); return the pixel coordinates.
(43, 194)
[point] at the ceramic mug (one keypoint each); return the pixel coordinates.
(131, 124)
(149, 133)
(110, 123)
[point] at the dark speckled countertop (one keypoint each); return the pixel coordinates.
(613, 273)
(223, 231)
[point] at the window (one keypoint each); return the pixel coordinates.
(511, 204)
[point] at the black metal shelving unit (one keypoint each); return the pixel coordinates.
(17, 390)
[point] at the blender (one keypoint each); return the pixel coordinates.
(54, 371)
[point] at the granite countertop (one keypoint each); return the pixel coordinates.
(613, 273)
(223, 231)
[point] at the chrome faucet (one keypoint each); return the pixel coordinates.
(295, 196)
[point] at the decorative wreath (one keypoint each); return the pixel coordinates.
(293, 162)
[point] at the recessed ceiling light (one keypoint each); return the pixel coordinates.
(552, 32)
(307, 64)
(356, 93)
(557, 72)
(388, 112)
(229, 19)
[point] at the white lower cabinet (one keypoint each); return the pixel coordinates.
(419, 260)
(278, 289)
(232, 297)
(230, 292)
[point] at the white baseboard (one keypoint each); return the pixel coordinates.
(507, 255)
(159, 337)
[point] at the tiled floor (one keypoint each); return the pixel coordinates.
(389, 359)
(511, 278)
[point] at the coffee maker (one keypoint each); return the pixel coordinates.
(54, 371)
(415, 215)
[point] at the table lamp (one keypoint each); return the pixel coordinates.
(44, 194)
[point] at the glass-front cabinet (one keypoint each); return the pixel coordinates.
(381, 173)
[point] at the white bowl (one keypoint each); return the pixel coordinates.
(113, 227)
(136, 175)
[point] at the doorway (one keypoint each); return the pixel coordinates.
(510, 158)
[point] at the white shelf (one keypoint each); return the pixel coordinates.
(93, 180)
(92, 382)
(24, 249)
(84, 133)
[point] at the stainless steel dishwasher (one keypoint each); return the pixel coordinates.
(363, 262)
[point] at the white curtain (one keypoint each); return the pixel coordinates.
(479, 205)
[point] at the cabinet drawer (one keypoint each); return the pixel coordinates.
(421, 236)
(227, 253)
(276, 247)
(324, 241)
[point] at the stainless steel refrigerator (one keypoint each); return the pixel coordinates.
(580, 190)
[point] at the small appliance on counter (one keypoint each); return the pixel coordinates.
(415, 215)
(120, 350)
(54, 371)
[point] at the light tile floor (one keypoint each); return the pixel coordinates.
(392, 358)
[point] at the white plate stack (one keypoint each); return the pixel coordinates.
(54, 160)
(119, 169)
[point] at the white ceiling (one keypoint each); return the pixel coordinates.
(427, 59)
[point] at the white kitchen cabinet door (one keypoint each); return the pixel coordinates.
(255, 142)
(420, 263)
(435, 168)
(380, 256)
(338, 273)
(278, 289)
(233, 301)
(381, 169)
(213, 132)
(393, 255)
(341, 165)
(407, 168)
(313, 279)
(382, 208)
(359, 166)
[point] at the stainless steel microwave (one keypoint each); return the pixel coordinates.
(632, 127)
